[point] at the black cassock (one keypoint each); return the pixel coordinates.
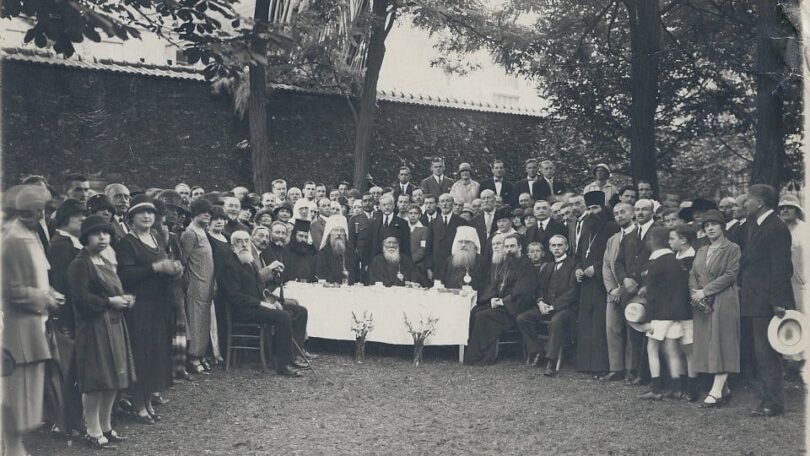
(381, 270)
(334, 268)
(592, 353)
(299, 262)
(517, 290)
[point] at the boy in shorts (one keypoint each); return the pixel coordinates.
(681, 239)
(666, 288)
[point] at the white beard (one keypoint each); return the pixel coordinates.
(497, 257)
(391, 257)
(463, 259)
(338, 246)
(245, 257)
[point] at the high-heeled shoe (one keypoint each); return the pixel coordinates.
(99, 443)
(143, 419)
(113, 436)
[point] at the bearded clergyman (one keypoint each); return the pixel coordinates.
(465, 266)
(509, 294)
(391, 268)
(336, 263)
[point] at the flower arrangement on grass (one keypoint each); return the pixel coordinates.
(361, 327)
(420, 331)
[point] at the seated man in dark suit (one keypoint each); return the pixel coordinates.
(243, 290)
(392, 268)
(558, 294)
(510, 294)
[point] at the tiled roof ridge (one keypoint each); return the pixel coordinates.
(192, 73)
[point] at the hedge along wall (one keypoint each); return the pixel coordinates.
(155, 132)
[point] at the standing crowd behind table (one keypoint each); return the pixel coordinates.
(109, 298)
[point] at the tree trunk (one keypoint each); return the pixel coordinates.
(368, 95)
(645, 45)
(769, 156)
(257, 111)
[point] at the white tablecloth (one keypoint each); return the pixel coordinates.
(330, 312)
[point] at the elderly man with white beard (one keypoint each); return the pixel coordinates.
(465, 265)
(393, 269)
(336, 262)
(509, 294)
(243, 290)
(268, 257)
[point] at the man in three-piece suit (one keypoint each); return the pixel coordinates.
(631, 261)
(437, 183)
(498, 183)
(765, 272)
(441, 232)
(385, 224)
(549, 186)
(484, 223)
(545, 228)
(403, 184)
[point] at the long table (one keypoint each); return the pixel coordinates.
(330, 312)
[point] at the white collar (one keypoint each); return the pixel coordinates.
(690, 252)
(438, 178)
(762, 217)
(418, 224)
(544, 223)
(629, 229)
(659, 253)
(560, 259)
(646, 226)
(72, 238)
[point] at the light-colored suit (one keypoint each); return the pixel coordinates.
(614, 321)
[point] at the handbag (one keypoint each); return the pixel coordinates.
(705, 304)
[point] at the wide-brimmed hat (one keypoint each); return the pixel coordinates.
(94, 224)
(140, 203)
(636, 313)
(788, 335)
(67, 209)
(173, 199)
(703, 205)
(285, 205)
(98, 203)
(713, 215)
(791, 201)
(503, 212)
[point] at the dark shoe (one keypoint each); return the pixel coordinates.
(638, 381)
(631, 377)
(612, 377)
(155, 416)
(287, 372)
(651, 396)
(717, 402)
(196, 367)
(98, 443)
(113, 436)
(551, 370)
(766, 412)
(143, 419)
(300, 364)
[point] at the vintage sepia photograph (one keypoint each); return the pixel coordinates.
(404, 227)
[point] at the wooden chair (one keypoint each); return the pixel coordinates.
(510, 337)
(244, 336)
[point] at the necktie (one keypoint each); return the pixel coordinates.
(558, 265)
(488, 220)
(445, 220)
(385, 222)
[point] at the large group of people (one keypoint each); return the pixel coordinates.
(111, 295)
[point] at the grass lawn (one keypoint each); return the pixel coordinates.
(386, 406)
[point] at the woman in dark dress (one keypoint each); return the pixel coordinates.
(103, 353)
(220, 248)
(146, 271)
